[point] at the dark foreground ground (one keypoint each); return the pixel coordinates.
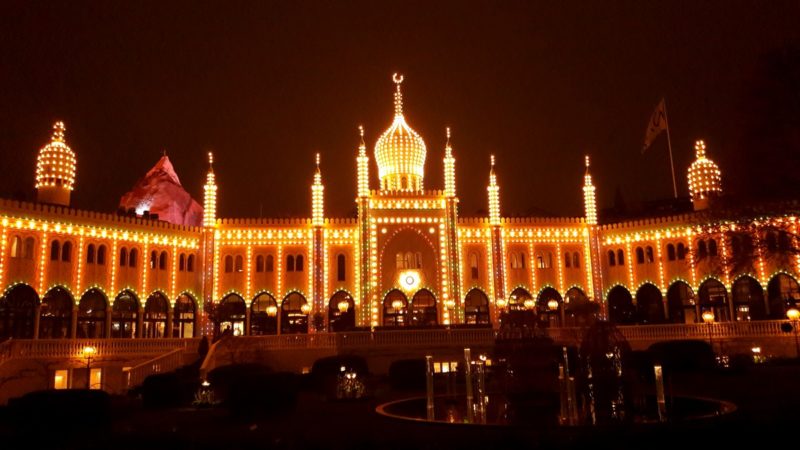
(768, 398)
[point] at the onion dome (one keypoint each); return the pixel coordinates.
(705, 180)
(55, 169)
(400, 151)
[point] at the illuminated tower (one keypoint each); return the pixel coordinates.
(363, 166)
(498, 258)
(589, 202)
(317, 190)
(210, 198)
(400, 151)
(317, 221)
(449, 169)
(55, 170)
(705, 180)
(494, 197)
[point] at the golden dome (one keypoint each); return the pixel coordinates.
(400, 151)
(705, 179)
(55, 166)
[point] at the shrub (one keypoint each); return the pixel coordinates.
(325, 371)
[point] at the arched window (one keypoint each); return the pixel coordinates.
(66, 252)
(16, 247)
(514, 262)
(190, 263)
(341, 270)
(612, 258)
(567, 260)
(132, 256)
(522, 260)
(228, 264)
(549, 260)
(681, 250)
(712, 247)
(238, 265)
(123, 256)
(298, 266)
(90, 254)
(101, 255)
(639, 255)
(473, 265)
(30, 244)
(55, 250)
(702, 250)
(576, 260)
(183, 317)
(263, 315)
(259, 263)
(124, 315)
(153, 259)
(290, 263)
(772, 241)
(55, 318)
(620, 257)
(648, 254)
(270, 263)
(92, 315)
(181, 262)
(400, 261)
(162, 261)
(540, 261)
(155, 316)
(670, 252)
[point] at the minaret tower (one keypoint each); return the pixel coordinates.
(589, 201)
(498, 254)
(705, 179)
(318, 257)
(365, 313)
(449, 169)
(594, 277)
(55, 169)
(210, 195)
(209, 243)
(363, 166)
(454, 314)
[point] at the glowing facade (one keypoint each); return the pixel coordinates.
(408, 259)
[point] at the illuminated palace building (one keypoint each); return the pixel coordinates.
(165, 266)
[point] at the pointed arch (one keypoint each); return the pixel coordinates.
(92, 314)
(549, 316)
(294, 320)
(18, 312)
(649, 304)
(713, 297)
(578, 309)
(263, 315)
(423, 309)
(231, 313)
(184, 315)
(783, 292)
(681, 303)
(620, 306)
(124, 315)
(155, 315)
(395, 308)
(55, 317)
(748, 299)
(339, 319)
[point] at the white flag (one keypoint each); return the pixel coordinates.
(657, 124)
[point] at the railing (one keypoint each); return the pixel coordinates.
(671, 332)
(61, 348)
(164, 363)
(5, 351)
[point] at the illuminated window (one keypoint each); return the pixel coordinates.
(473, 265)
(239, 263)
(648, 254)
(639, 255)
(96, 378)
(61, 379)
(16, 247)
(153, 259)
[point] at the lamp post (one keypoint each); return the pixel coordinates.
(88, 352)
(708, 318)
(794, 314)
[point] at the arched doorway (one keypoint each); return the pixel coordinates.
(183, 317)
(124, 315)
(231, 314)
(92, 315)
(649, 304)
(476, 308)
(395, 307)
(681, 303)
(55, 318)
(423, 309)
(341, 312)
(620, 306)
(714, 297)
(521, 309)
(783, 292)
(578, 309)
(748, 299)
(155, 316)
(550, 307)
(263, 315)
(294, 314)
(18, 312)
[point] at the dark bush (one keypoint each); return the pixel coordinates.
(686, 355)
(407, 374)
(262, 393)
(325, 371)
(56, 413)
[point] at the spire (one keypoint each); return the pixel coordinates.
(362, 166)
(317, 189)
(58, 131)
(210, 198)
(589, 200)
(705, 178)
(494, 197)
(398, 95)
(55, 169)
(449, 169)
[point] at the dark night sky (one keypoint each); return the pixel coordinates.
(268, 84)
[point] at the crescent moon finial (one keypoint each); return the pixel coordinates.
(397, 78)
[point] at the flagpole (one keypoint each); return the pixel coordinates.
(669, 144)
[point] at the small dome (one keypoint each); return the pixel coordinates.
(705, 179)
(400, 151)
(55, 166)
